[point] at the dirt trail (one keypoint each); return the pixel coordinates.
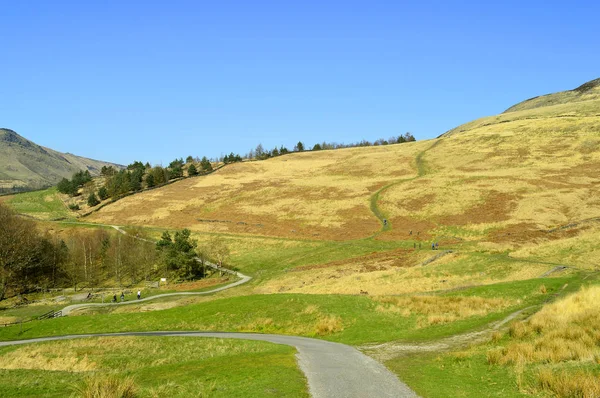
(421, 171)
(386, 351)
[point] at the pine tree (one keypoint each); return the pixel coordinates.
(92, 200)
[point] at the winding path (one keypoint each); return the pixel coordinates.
(332, 369)
(243, 279)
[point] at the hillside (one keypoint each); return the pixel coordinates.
(586, 92)
(526, 182)
(25, 164)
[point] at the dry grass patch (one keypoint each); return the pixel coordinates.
(106, 386)
(568, 330)
(435, 310)
(39, 357)
(569, 384)
(320, 324)
(382, 278)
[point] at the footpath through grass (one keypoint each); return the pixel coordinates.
(153, 366)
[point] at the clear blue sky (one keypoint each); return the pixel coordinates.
(151, 81)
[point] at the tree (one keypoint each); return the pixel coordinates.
(27, 259)
(160, 175)
(259, 152)
(92, 200)
(137, 165)
(119, 184)
(107, 171)
(103, 193)
(179, 254)
(176, 163)
(135, 179)
(275, 152)
(150, 180)
(67, 187)
(175, 172)
(205, 164)
(219, 251)
(317, 147)
(283, 150)
(189, 159)
(299, 147)
(192, 171)
(409, 137)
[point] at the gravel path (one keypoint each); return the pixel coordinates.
(332, 369)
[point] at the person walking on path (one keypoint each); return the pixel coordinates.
(139, 294)
(114, 300)
(432, 246)
(122, 297)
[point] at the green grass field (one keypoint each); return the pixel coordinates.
(347, 319)
(41, 205)
(158, 367)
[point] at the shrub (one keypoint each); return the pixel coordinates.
(92, 200)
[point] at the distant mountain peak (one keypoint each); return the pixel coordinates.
(26, 165)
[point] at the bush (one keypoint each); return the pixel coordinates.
(74, 206)
(92, 200)
(103, 193)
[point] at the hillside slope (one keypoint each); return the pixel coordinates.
(28, 165)
(586, 92)
(502, 179)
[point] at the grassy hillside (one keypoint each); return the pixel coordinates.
(512, 196)
(585, 92)
(26, 164)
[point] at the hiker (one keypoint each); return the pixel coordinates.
(432, 246)
(436, 245)
(122, 297)
(114, 300)
(89, 296)
(139, 294)
(384, 221)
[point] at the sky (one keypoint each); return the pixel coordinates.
(153, 80)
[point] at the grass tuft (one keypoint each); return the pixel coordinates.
(106, 386)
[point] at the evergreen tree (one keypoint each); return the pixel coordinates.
(92, 200)
(206, 165)
(299, 147)
(103, 193)
(150, 180)
(192, 171)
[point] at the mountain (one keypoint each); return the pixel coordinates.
(25, 165)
